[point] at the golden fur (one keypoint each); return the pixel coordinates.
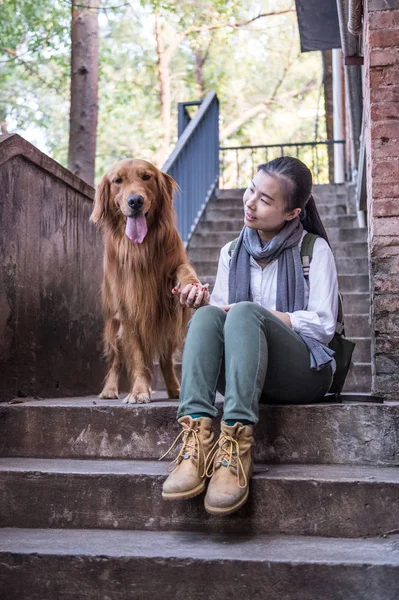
(142, 318)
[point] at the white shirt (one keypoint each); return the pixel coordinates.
(319, 318)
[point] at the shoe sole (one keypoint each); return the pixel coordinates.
(228, 510)
(185, 495)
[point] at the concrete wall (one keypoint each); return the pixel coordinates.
(381, 42)
(51, 269)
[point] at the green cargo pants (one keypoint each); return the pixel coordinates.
(250, 356)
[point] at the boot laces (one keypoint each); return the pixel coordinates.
(191, 447)
(226, 453)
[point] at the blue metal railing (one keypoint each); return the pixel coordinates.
(194, 163)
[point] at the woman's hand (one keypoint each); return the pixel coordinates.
(193, 295)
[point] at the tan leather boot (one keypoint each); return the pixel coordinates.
(230, 467)
(188, 476)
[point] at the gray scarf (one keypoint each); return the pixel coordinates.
(290, 279)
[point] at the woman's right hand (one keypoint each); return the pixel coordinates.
(193, 295)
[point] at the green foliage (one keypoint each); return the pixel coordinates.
(257, 67)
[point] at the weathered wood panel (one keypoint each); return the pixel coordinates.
(50, 276)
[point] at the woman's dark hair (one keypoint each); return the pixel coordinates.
(296, 183)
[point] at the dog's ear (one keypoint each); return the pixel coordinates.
(101, 200)
(167, 186)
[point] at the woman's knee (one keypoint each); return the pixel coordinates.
(208, 316)
(241, 312)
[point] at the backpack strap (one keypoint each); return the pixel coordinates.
(233, 244)
(307, 252)
(306, 257)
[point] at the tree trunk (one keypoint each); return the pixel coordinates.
(84, 89)
(164, 92)
(329, 108)
(200, 60)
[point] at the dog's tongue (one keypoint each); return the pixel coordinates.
(136, 228)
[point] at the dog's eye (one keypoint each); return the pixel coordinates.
(118, 180)
(146, 177)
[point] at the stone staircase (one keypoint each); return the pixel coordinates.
(81, 514)
(223, 220)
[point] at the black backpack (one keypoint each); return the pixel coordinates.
(342, 347)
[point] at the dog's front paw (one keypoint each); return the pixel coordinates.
(174, 394)
(109, 394)
(134, 398)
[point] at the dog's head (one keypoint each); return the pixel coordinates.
(135, 192)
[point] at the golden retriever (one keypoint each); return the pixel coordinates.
(144, 258)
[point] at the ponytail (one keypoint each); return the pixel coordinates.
(311, 221)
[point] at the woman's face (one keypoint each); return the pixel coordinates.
(264, 206)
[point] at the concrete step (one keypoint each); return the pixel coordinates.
(357, 325)
(347, 283)
(220, 237)
(344, 266)
(341, 251)
(359, 378)
(121, 565)
(337, 501)
(362, 351)
(331, 192)
(236, 216)
(325, 433)
(220, 223)
(236, 204)
(356, 302)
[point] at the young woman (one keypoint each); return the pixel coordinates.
(263, 338)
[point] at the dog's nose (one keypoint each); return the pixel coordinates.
(135, 201)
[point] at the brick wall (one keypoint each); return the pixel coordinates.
(381, 102)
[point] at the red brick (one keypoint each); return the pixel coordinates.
(373, 5)
(388, 207)
(382, 244)
(385, 94)
(385, 148)
(389, 285)
(386, 226)
(385, 190)
(384, 20)
(382, 58)
(387, 38)
(387, 170)
(387, 130)
(384, 76)
(387, 303)
(388, 265)
(384, 111)
(388, 345)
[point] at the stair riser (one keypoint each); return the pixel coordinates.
(211, 253)
(357, 326)
(221, 223)
(347, 283)
(324, 433)
(237, 215)
(222, 237)
(233, 209)
(344, 266)
(330, 509)
(362, 351)
(87, 577)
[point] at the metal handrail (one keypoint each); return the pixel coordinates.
(265, 152)
(194, 163)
